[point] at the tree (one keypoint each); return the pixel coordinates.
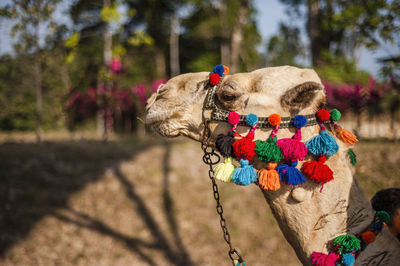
(29, 17)
(336, 28)
(284, 47)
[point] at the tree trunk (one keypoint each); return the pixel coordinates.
(313, 32)
(174, 46)
(106, 113)
(392, 133)
(237, 35)
(160, 62)
(225, 49)
(38, 84)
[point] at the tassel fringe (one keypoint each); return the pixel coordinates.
(245, 174)
(346, 136)
(268, 179)
(224, 171)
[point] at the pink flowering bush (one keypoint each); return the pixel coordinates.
(83, 105)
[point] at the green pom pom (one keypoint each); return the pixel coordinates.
(346, 243)
(383, 216)
(352, 156)
(268, 151)
(335, 115)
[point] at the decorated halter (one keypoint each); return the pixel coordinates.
(281, 157)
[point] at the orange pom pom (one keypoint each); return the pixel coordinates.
(226, 70)
(346, 136)
(268, 179)
(274, 119)
(368, 237)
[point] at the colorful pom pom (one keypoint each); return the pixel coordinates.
(274, 120)
(352, 156)
(223, 143)
(233, 118)
(214, 79)
(251, 119)
(224, 171)
(346, 243)
(383, 216)
(346, 136)
(244, 148)
(292, 149)
(289, 174)
(268, 151)
(335, 115)
(245, 174)
(317, 170)
(322, 144)
(226, 70)
(323, 115)
(348, 259)
(219, 70)
(321, 259)
(368, 237)
(268, 179)
(299, 121)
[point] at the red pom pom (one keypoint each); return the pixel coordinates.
(244, 148)
(214, 79)
(233, 118)
(317, 170)
(368, 237)
(274, 119)
(323, 115)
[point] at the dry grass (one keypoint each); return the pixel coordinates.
(140, 202)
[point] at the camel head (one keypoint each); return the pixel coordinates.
(176, 108)
(308, 218)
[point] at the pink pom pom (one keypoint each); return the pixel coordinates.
(321, 259)
(233, 118)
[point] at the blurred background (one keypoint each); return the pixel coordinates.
(83, 182)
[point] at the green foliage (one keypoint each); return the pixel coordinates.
(284, 47)
(72, 41)
(340, 27)
(340, 70)
(110, 14)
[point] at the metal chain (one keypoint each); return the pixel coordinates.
(211, 158)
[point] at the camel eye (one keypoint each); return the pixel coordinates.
(228, 97)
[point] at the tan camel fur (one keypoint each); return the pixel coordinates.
(307, 217)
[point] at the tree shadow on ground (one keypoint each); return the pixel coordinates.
(37, 179)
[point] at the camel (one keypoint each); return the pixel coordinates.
(308, 218)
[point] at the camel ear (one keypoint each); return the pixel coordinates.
(300, 96)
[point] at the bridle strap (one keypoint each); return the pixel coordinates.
(222, 115)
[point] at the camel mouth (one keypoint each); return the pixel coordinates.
(164, 130)
(160, 120)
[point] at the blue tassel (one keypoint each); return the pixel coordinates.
(245, 174)
(289, 174)
(322, 144)
(348, 259)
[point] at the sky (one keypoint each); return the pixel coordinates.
(270, 13)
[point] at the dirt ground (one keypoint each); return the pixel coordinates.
(141, 202)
